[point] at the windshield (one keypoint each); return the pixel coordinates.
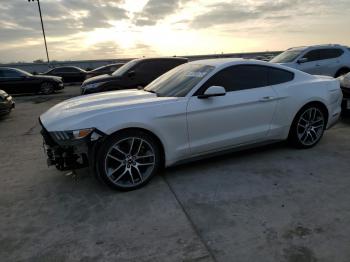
(122, 70)
(179, 81)
(24, 72)
(102, 68)
(287, 56)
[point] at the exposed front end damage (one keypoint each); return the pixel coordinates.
(66, 154)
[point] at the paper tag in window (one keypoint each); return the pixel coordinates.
(196, 74)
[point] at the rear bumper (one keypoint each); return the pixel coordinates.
(334, 111)
(346, 99)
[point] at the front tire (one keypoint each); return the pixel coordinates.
(308, 127)
(128, 160)
(47, 88)
(342, 72)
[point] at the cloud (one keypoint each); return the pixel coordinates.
(234, 12)
(62, 17)
(79, 29)
(224, 13)
(156, 10)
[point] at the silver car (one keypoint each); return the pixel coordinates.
(329, 60)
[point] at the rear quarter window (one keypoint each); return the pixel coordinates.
(279, 76)
(330, 53)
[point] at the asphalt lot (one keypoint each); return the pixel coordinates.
(269, 204)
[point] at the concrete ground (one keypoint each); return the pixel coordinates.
(269, 204)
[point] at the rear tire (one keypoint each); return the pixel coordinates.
(128, 160)
(308, 127)
(47, 88)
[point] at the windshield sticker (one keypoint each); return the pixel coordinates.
(196, 74)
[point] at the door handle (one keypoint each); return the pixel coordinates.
(267, 98)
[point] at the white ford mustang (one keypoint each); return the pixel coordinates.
(197, 109)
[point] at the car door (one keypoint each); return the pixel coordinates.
(310, 62)
(71, 75)
(59, 72)
(76, 74)
(240, 117)
(3, 80)
(15, 82)
(330, 58)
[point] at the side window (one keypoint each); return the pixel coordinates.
(10, 73)
(58, 70)
(330, 53)
(279, 76)
(141, 67)
(240, 77)
(312, 55)
(167, 65)
(153, 67)
(73, 70)
(1, 73)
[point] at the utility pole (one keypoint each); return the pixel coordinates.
(42, 26)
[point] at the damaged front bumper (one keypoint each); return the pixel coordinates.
(70, 154)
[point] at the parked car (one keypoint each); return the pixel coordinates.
(69, 74)
(196, 109)
(16, 81)
(345, 86)
(103, 70)
(329, 60)
(6, 103)
(136, 73)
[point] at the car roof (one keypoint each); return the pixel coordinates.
(218, 61)
(301, 48)
(224, 62)
(66, 67)
(163, 58)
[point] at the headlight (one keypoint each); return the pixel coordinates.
(92, 86)
(72, 135)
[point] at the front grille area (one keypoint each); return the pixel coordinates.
(47, 138)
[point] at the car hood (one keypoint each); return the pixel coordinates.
(77, 112)
(99, 79)
(56, 78)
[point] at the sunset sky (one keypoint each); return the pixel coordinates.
(103, 29)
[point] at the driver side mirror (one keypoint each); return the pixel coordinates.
(302, 60)
(213, 91)
(131, 73)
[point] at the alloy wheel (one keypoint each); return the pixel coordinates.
(310, 126)
(47, 88)
(129, 162)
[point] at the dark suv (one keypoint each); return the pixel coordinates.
(134, 74)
